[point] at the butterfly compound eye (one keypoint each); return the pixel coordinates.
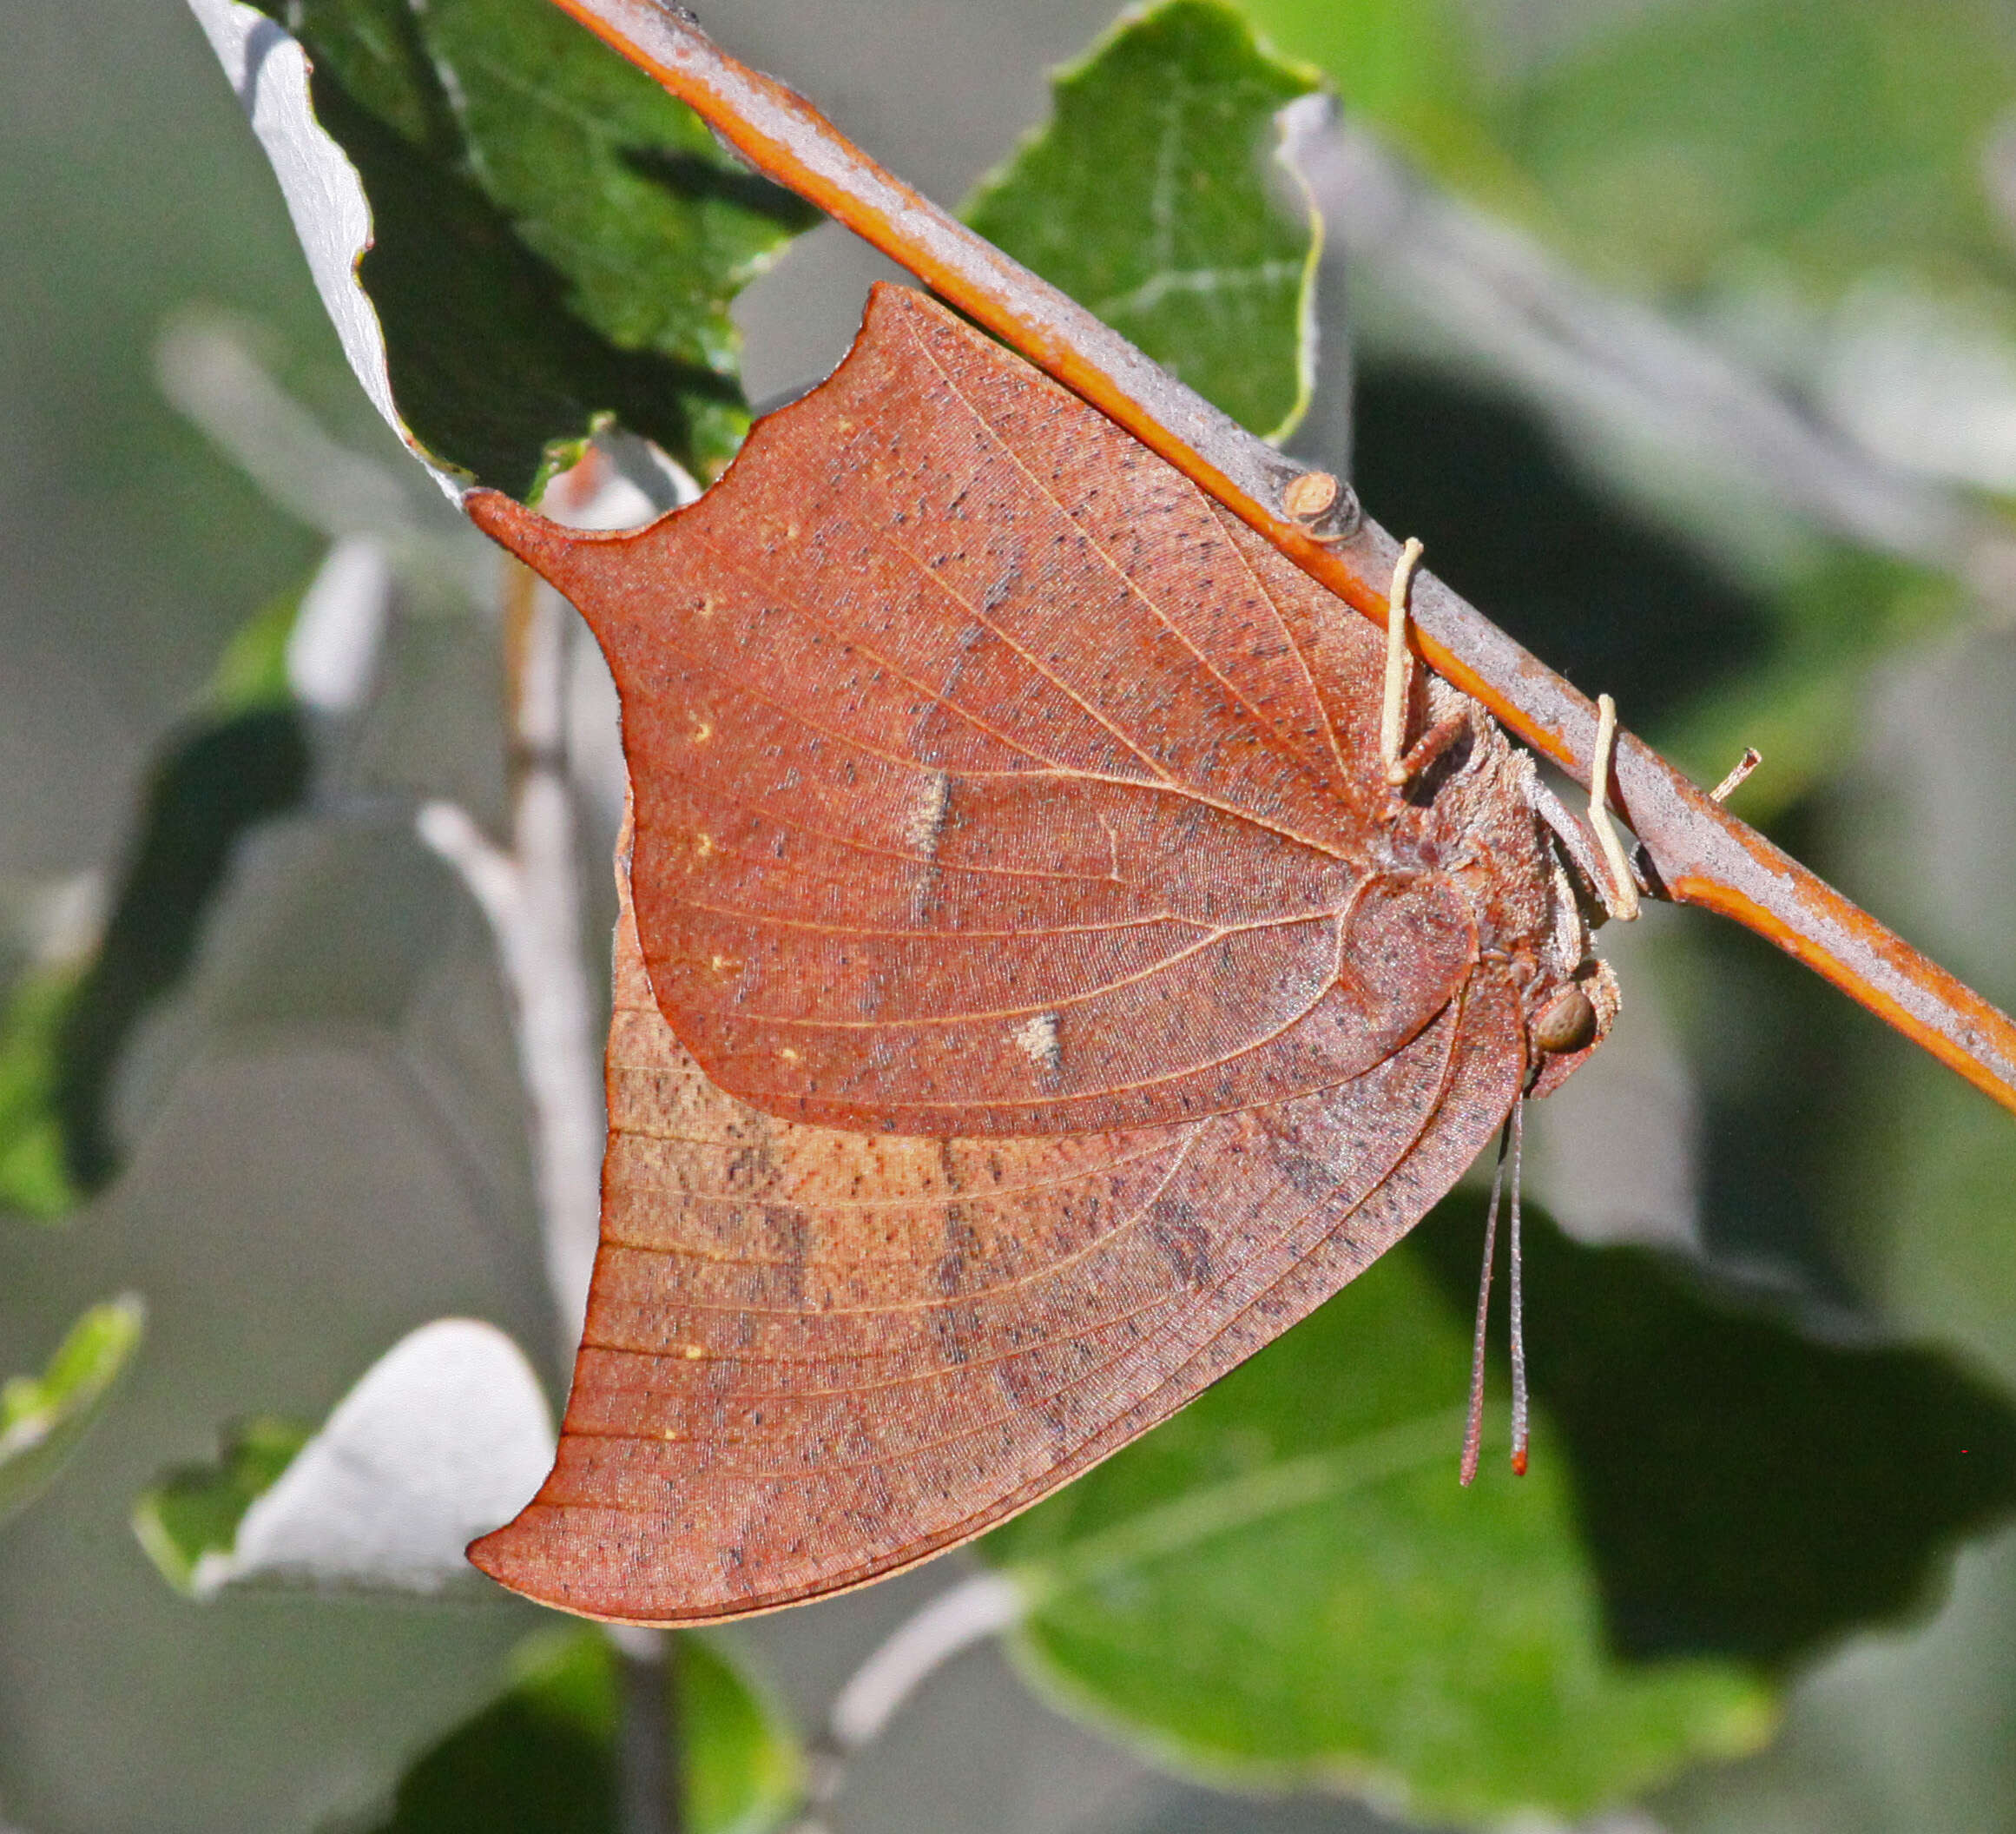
(1566, 1023)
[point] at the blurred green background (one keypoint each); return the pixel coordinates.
(1685, 336)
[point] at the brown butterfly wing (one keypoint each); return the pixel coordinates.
(990, 779)
(1000, 797)
(814, 1356)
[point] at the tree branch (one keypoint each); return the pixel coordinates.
(527, 900)
(1700, 854)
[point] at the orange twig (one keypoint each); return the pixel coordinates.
(1701, 852)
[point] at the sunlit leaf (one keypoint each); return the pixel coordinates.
(44, 1418)
(1154, 198)
(1746, 1487)
(553, 241)
(1286, 1585)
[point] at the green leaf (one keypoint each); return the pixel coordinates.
(42, 1419)
(1155, 199)
(555, 240)
(195, 1510)
(251, 675)
(1745, 1487)
(34, 1179)
(1285, 1585)
(541, 1760)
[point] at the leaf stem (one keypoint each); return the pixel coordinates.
(1701, 854)
(651, 1759)
(930, 1636)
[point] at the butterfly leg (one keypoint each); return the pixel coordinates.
(1620, 893)
(1432, 745)
(1392, 716)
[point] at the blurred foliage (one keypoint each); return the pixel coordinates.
(195, 1510)
(65, 1023)
(44, 1418)
(555, 240)
(1414, 67)
(1824, 190)
(1512, 523)
(541, 1757)
(241, 759)
(209, 788)
(1150, 199)
(1837, 136)
(35, 1180)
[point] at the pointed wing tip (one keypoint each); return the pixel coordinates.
(583, 1561)
(523, 1557)
(537, 541)
(500, 1555)
(551, 1556)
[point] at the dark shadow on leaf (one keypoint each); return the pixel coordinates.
(211, 786)
(1787, 1071)
(1746, 1488)
(518, 1767)
(489, 364)
(693, 178)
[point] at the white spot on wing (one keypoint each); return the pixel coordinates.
(1038, 1037)
(927, 818)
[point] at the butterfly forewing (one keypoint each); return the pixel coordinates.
(983, 784)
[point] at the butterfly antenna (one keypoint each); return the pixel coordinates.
(1521, 1412)
(1473, 1430)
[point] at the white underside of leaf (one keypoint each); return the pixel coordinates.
(445, 1438)
(269, 72)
